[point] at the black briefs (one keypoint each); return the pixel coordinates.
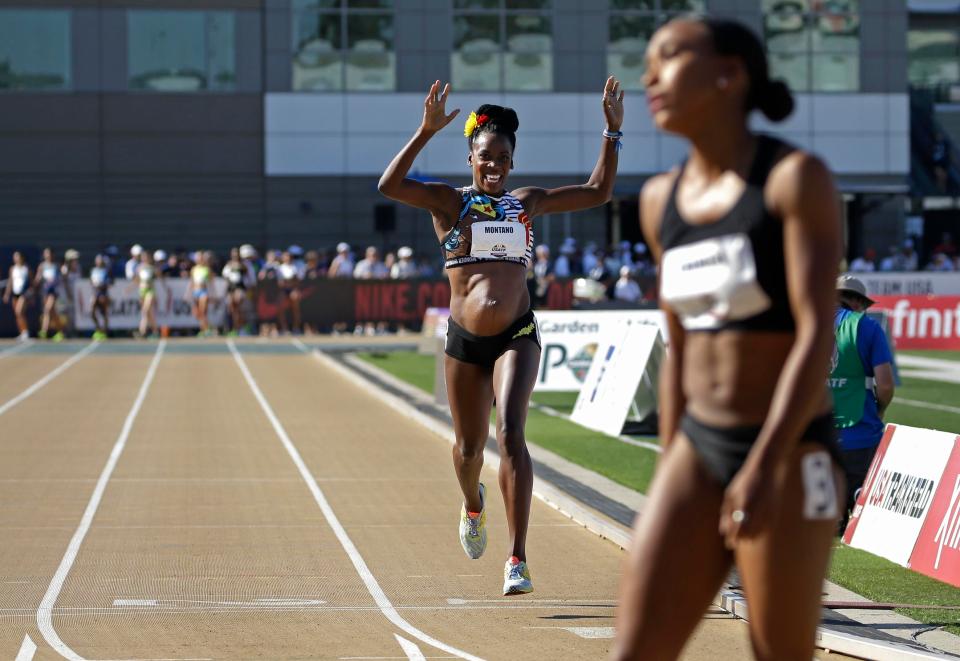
(723, 450)
(485, 349)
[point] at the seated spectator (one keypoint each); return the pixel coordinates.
(895, 261)
(940, 262)
(911, 261)
(865, 263)
(626, 289)
(405, 266)
(130, 268)
(563, 266)
(946, 246)
(370, 267)
(342, 264)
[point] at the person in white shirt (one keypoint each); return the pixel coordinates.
(866, 263)
(342, 264)
(626, 288)
(130, 268)
(370, 267)
(405, 267)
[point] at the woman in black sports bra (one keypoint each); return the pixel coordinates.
(493, 345)
(746, 233)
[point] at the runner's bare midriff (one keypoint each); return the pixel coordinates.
(486, 298)
(729, 377)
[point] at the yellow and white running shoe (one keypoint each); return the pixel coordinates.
(473, 527)
(516, 577)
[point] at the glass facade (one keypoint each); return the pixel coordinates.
(935, 57)
(814, 44)
(181, 51)
(35, 49)
(502, 45)
(631, 24)
(343, 45)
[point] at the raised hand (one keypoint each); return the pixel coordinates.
(613, 104)
(435, 115)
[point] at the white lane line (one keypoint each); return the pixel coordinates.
(49, 377)
(410, 649)
(559, 602)
(14, 350)
(583, 632)
(373, 587)
(27, 649)
(45, 611)
(925, 405)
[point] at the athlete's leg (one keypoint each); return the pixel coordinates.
(202, 310)
(677, 559)
(295, 309)
(19, 311)
(514, 376)
(48, 302)
(783, 568)
(470, 392)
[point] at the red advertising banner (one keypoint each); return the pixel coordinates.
(937, 551)
(922, 322)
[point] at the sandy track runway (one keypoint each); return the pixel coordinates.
(209, 544)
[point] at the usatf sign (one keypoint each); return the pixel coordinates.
(909, 509)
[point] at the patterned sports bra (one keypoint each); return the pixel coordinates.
(490, 229)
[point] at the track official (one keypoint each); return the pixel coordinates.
(861, 380)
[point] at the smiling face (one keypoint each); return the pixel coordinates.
(491, 160)
(687, 83)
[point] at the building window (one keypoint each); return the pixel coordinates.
(814, 44)
(934, 57)
(343, 44)
(34, 49)
(181, 51)
(502, 45)
(631, 24)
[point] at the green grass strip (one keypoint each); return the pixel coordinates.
(881, 580)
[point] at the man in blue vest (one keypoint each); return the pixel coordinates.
(861, 380)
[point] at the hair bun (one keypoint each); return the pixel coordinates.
(776, 101)
(505, 119)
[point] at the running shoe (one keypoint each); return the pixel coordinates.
(473, 527)
(516, 577)
(58, 336)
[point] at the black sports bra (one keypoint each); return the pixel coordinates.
(728, 274)
(489, 229)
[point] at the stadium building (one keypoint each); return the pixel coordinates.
(204, 123)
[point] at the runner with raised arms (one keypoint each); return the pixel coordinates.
(493, 345)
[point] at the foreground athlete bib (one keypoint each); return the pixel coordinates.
(712, 281)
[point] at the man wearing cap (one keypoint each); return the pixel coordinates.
(861, 380)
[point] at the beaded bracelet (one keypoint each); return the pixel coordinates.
(615, 136)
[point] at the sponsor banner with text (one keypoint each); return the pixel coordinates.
(937, 552)
(570, 340)
(922, 322)
(916, 283)
(174, 309)
(900, 490)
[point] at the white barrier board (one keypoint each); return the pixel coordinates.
(616, 374)
(570, 339)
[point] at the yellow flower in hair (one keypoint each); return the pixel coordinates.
(471, 125)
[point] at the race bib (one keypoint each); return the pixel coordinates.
(712, 281)
(498, 239)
